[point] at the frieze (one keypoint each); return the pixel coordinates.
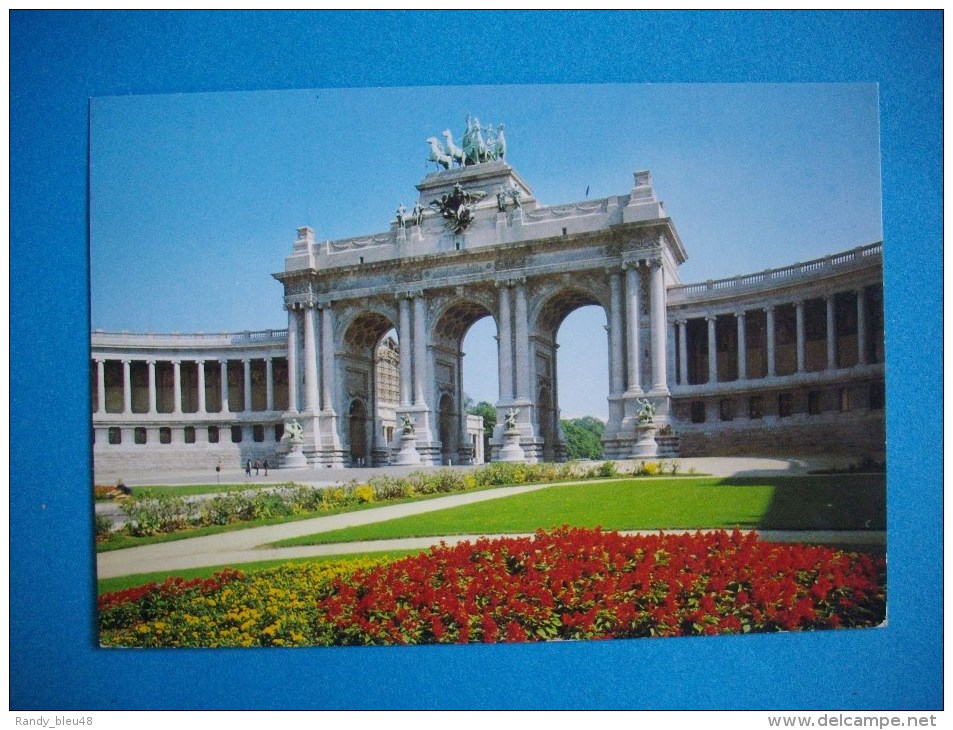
(444, 374)
(510, 259)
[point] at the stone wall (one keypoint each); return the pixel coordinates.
(117, 461)
(855, 435)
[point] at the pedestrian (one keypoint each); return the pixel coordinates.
(266, 467)
(257, 466)
(248, 468)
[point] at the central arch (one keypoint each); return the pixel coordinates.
(456, 316)
(558, 302)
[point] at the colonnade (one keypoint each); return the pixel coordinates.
(202, 406)
(770, 346)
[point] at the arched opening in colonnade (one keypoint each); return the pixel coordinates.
(572, 365)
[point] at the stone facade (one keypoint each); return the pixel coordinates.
(784, 361)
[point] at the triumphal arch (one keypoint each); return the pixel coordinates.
(477, 243)
(784, 361)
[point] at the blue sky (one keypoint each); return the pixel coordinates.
(195, 198)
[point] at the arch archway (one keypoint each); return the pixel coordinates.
(369, 366)
(455, 319)
(588, 371)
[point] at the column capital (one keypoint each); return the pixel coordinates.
(654, 263)
(711, 317)
(503, 283)
(682, 321)
(740, 313)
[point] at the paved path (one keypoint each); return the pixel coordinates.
(243, 546)
(715, 466)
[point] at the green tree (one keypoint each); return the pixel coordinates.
(488, 412)
(583, 437)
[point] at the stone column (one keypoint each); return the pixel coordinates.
(126, 388)
(200, 369)
(420, 350)
(404, 341)
(522, 343)
(799, 312)
(632, 328)
(224, 378)
(862, 326)
(292, 361)
(269, 385)
(671, 335)
(683, 352)
(712, 350)
(101, 386)
(831, 334)
(176, 386)
(616, 382)
(327, 357)
(506, 346)
(742, 347)
(769, 325)
(659, 319)
(152, 386)
(310, 362)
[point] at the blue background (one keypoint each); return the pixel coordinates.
(59, 60)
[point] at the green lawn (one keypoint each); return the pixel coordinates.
(843, 502)
(119, 583)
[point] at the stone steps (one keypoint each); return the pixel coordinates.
(668, 445)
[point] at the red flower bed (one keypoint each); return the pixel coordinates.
(589, 584)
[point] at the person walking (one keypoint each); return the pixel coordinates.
(265, 464)
(248, 468)
(257, 466)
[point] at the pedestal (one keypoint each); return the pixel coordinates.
(511, 451)
(408, 454)
(645, 444)
(294, 459)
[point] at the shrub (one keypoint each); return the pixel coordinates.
(104, 527)
(364, 494)
(608, 469)
(157, 512)
(388, 487)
